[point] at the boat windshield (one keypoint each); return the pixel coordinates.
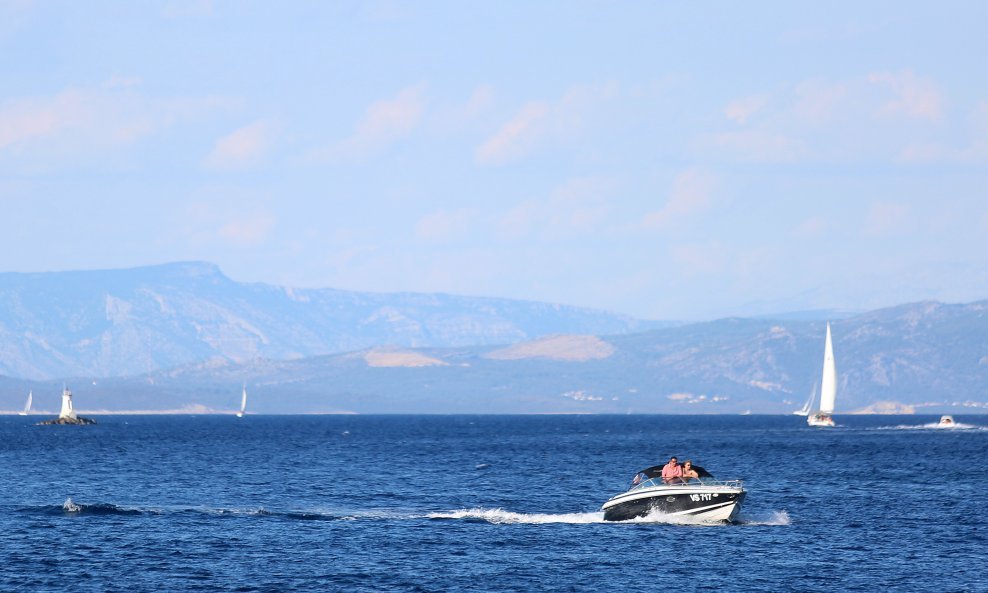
(653, 482)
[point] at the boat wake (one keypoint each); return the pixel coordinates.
(71, 508)
(499, 516)
(495, 516)
(958, 426)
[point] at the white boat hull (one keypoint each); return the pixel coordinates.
(696, 501)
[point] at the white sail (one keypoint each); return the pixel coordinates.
(243, 402)
(808, 406)
(27, 406)
(828, 385)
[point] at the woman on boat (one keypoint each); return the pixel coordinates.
(688, 471)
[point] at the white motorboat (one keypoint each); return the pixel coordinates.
(702, 498)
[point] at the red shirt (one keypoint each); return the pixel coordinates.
(672, 470)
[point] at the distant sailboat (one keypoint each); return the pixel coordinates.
(243, 403)
(27, 406)
(828, 388)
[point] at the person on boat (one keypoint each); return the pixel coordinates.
(688, 471)
(672, 472)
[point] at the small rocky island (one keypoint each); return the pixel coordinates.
(67, 414)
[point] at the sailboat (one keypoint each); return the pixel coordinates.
(828, 388)
(243, 403)
(27, 406)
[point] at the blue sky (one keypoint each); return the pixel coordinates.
(669, 160)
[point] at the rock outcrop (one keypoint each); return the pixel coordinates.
(66, 420)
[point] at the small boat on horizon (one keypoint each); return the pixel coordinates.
(828, 388)
(703, 498)
(946, 421)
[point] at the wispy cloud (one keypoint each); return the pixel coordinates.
(740, 110)
(881, 115)
(538, 123)
(241, 148)
(236, 220)
(384, 122)
(518, 136)
(912, 96)
(81, 121)
(577, 207)
(691, 194)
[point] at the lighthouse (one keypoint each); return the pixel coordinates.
(67, 413)
(67, 410)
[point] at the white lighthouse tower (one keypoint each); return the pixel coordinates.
(67, 410)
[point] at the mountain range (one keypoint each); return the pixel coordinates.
(124, 322)
(185, 337)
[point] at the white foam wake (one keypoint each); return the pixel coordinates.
(959, 426)
(769, 518)
(501, 516)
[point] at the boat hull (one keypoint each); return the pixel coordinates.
(820, 419)
(699, 502)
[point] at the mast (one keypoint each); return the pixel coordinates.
(828, 385)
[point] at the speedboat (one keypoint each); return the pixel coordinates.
(702, 498)
(946, 421)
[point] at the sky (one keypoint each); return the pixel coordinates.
(667, 160)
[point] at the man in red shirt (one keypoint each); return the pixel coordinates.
(671, 471)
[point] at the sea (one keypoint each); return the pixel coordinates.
(486, 503)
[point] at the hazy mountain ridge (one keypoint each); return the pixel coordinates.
(124, 322)
(926, 355)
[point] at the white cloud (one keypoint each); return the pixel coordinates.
(740, 110)
(85, 121)
(885, 116)
(242, 147)
(384, 122)
(516, 137)
(541, 122)
(913, 96)
(578, 206)
(692, 192)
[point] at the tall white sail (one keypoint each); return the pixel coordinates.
(27, 406)
(828, 385)
(243, 402)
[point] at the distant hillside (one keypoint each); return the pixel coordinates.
(122, 322)
(928, 357)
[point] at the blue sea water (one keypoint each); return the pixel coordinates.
(485, 503)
